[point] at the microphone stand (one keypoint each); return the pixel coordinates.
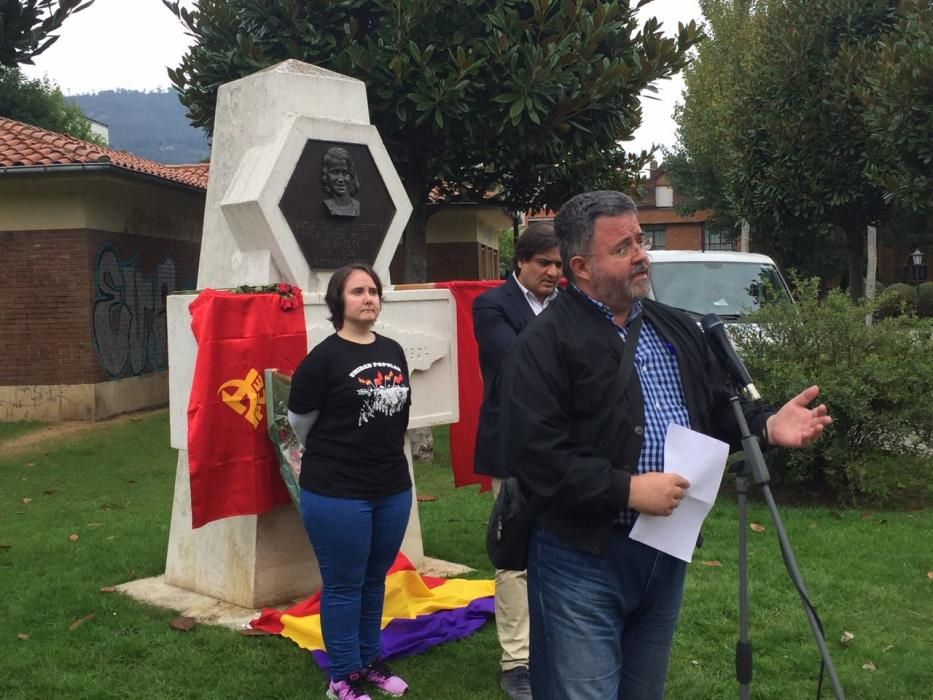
(754, 465)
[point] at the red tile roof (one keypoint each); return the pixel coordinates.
(23, 145)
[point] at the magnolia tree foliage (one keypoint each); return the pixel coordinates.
(511, 102)
(791, 122)
(27, 26)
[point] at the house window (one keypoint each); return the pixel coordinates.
(656, 235)
(663, 196)
(714, 239)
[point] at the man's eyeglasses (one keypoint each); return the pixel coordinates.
(627, 249)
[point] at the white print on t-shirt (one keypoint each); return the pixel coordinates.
(382, 391)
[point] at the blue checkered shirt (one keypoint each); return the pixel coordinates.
(658, 372)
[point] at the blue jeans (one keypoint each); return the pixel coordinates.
(355, 542)
(601, 626)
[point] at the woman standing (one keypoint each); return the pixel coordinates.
(349, 404)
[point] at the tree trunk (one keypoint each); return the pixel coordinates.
(415, 240)
(855, 244)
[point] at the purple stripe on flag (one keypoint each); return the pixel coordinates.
(408, 637)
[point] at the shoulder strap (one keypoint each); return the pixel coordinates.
(628, 355)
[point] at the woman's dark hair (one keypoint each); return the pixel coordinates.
(537, 238)
(338, 281)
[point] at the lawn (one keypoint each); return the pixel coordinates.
(62, 637)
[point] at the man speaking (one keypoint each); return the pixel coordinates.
(587, 395)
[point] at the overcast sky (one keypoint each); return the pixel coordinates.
(128, 44)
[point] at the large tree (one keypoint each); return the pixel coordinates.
(898, 98)
(801, 154)
(27, 26)
(704, 150)
(41, 103)
(520, 103)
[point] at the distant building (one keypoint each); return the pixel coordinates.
(664, 227)
(93, 240)
(100, 129)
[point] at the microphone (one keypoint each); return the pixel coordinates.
(722, 347)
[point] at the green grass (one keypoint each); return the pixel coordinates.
(8, 431)
(113, 488)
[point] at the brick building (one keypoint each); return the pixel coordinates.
(93, 240)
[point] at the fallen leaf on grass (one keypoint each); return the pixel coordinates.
(757, 528)
(112, 537)
(80, 621)
(182, 624)
(712, 562)
(695, 662)
(22, 636)
(27, 501)
(30, 464)
(108, 589)
(93, 525)
(930, 575)
(869, 666)
(888, 648)
(250, 632)
(73, 537)
(867, 516)
(426, 498)
(847, 637)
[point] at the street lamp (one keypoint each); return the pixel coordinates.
(916, 257)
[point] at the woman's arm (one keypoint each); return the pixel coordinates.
(301, 423)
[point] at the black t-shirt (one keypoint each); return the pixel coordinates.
(356, 446)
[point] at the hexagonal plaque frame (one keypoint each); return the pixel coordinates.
(251, 205)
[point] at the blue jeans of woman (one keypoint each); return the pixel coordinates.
(355, 542)
(602, 626)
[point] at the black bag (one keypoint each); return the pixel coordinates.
(509, 527)
(513, 516)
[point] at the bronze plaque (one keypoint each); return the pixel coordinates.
(337, 205)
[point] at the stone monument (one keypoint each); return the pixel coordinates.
(300, 184)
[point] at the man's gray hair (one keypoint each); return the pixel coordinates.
(576, 220)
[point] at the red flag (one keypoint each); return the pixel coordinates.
(463, 433)
(231, 461)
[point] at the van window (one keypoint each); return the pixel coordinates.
(724, 288)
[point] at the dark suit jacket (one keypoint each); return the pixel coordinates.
(499, 315)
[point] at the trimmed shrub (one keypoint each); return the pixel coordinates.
(876, 380)
(896, 300)
(925, 300)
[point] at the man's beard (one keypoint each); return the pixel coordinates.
(622, 293)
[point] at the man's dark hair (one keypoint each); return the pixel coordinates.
(537, 238)
(338, 281)
(576, 220)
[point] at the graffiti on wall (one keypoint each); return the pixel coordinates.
(129, 321)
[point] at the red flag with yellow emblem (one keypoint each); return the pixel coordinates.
(231, 462)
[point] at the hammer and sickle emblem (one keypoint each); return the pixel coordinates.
(250, 390)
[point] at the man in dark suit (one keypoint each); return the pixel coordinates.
(499, 315)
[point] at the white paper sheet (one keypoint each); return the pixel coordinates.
(701, 460)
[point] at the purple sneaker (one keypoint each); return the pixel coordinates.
(353, 687)
(387, 682)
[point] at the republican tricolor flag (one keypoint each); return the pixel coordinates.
(420, 612)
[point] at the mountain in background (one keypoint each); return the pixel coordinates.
(147, 124)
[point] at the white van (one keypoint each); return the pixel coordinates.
(723, 283)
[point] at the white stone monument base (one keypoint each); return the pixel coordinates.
(253, 561)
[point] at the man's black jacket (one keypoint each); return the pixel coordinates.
(572, 435)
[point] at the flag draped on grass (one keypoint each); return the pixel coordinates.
(470, 383)
(231, 462)
(420, 612)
